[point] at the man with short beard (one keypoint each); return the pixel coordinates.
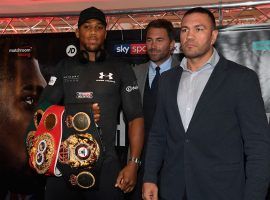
(160, 41)
(93, 76)
(209, 139)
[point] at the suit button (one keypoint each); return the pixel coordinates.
(186, 140)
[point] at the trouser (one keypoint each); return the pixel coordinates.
(58, 188)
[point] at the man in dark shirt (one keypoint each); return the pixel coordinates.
(94, 77)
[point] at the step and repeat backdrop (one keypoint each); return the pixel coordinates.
(246, 45)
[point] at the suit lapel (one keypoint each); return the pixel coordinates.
(215, 80)
(143, 75)
(174, 81)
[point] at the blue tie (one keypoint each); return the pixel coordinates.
(154, 85)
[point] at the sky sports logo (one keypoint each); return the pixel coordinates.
(130, 49)
(137, 49)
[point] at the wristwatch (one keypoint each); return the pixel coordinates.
(135, 160)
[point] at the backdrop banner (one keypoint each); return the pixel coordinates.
(246, 45)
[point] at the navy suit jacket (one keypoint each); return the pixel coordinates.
(225, 153)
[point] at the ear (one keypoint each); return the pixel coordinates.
(214, 36)
(77, 33)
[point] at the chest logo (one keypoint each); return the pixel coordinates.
(103, 77)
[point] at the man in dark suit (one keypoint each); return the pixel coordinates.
(160, 41)
(209, 136)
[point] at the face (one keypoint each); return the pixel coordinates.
(197, 36)
(17, 101)
(159, 45)
(92, 35)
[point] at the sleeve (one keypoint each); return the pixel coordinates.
(255, 134)
(156, 143)
(131, 99)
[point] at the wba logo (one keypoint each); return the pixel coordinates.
(102, 76)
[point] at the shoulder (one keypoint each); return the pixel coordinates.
(141, 67)
(235, 68)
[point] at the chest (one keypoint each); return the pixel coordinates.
(91, 83)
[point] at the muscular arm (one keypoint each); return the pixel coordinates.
(136, 136)
(132, 107)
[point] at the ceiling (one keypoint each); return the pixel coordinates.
(47, 16)
(9, 8)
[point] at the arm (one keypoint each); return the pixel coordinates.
(255, 134)
(132, 107)
(156, 143)
(128, 175)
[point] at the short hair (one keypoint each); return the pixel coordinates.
(162, 23)
(202, 11)
(11, 51)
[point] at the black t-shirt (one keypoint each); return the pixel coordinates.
(109, 82)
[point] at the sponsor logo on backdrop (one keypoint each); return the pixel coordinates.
(263, 45)
(176, 48)
(137, 49)
(71, 50)
(22, 51)
(129, 49)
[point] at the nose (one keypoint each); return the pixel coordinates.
(190, 34)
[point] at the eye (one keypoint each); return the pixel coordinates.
(198, 29)
(99, 27)
(29, 100)
(183, 30)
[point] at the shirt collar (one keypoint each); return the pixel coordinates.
(163, 67)
(211, 63)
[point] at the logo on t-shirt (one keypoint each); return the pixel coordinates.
(52, 80)
(103, 77)
(84, 95)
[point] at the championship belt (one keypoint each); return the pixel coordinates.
(44, 143)
(76, 145)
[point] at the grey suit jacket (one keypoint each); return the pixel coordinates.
(141, 73)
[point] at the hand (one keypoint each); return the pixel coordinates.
(150, 191)
(127, 177)
(96, 111)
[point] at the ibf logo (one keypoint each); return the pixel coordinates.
(138, 49)
(108, 76)
(71, 50)
(121, 48)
